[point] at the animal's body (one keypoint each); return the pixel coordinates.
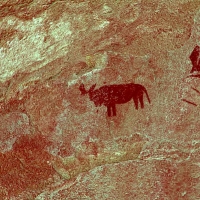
(110, 95)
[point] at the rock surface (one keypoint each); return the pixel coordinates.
(55, 143)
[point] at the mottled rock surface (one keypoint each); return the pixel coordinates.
(55, 143)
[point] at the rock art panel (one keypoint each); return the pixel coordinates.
(99, 100)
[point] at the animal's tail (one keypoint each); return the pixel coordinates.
(82, 89)
(145, 91)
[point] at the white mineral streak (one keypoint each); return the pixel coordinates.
(41, 197)
(22, 53)
(91, 73)
(102, 25)
(55, 193)
(72, 82)
(106, 9)
(88, 75)
(72, 166)
(100, 63)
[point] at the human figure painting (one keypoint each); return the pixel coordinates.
(195, 59)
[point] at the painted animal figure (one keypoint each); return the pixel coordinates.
(110, 95)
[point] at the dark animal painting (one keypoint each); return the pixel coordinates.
(110, 95)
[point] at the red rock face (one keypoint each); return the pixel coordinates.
(26, 161)
(99, 100)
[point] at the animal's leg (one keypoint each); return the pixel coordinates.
(114, 109)
(141, 101)
(109, 111)
(135, 99)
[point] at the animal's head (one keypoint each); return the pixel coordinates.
(94, 95)
(82, 89)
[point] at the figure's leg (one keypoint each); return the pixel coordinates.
(141, 101)
(109, 111)
(135, 99)
(114, 109)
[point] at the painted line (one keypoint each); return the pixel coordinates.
(194, 104)
(196, 90)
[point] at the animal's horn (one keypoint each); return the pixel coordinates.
(92, 88)
(82, 89)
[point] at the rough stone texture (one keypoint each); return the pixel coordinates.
(55, 143)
